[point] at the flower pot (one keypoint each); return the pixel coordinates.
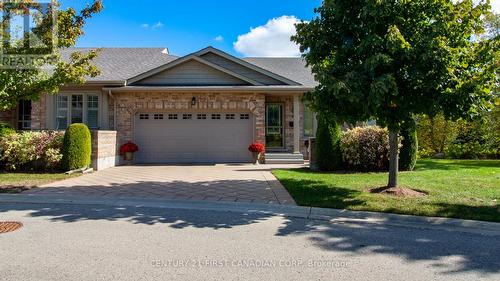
(256, 157)
(129, 156)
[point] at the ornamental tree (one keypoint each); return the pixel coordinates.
(49, 71)
(392, 59)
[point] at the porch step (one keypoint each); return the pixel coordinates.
(284, 158)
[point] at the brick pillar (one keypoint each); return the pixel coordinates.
(38, 111)
(259, 112)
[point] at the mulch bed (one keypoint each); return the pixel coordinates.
(398, 191)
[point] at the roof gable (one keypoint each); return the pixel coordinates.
(205, 67)
(192, 72)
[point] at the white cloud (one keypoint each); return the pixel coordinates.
(145, 25)
(270, 40)
(158, 25)
(219, 38)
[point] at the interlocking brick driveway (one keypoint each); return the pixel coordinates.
(237, 183)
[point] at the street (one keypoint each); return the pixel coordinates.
(94, 242)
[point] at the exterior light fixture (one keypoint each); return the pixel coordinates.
(193, 101)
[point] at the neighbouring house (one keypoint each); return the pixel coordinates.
(204, 107)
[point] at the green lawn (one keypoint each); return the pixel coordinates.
(465, 189)
(16, 182)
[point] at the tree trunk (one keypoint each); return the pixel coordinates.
(393, 160)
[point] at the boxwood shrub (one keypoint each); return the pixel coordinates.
(77, 147)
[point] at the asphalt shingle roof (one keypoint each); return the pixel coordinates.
(294, 69)
(120, 64)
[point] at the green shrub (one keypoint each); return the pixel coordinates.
(328, 154)
(77, 147)
(460, 139)
(366, 148)
(435, 134)
(409, 149)
(32, 151)
(6, 129)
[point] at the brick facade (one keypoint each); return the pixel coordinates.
(38, 114)
(8, 117)
(128, 104)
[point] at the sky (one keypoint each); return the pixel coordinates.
(242, 28)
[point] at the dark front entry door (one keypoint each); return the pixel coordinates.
(274, 125)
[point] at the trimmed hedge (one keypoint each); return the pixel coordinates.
(77, 147)
(6, 129)
(409, 149)
(328, 153)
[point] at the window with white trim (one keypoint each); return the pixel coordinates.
(77, 108)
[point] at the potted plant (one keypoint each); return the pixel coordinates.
(256, 149)
(128, 150)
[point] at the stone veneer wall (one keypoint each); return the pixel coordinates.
(128, 104)
(104, 150)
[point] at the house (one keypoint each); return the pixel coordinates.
(204, 107)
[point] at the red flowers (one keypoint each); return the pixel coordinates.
(257, 147)
(128, 147)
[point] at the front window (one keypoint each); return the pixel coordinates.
(308, 122)
(24, 115)
(77, 108)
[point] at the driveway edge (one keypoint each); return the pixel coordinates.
(320, 214)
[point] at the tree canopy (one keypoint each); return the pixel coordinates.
(391, 59)
(49, 71)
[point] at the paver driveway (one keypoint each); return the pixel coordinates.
(238, 183)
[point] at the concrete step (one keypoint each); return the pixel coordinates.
(284, 158)
(284, 161)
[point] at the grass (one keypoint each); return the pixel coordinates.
(466, 189)
(17, 182)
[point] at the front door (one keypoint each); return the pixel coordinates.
(274, 126)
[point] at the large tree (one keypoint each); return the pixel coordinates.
(49, 71)
(392, 59)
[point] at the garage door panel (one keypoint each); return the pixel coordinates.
(193, 140)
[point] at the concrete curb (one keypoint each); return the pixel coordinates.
(320, 214)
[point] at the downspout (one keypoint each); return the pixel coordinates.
(114, 109)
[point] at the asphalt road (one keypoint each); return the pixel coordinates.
(70, 242)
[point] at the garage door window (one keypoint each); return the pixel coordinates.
(230, 116)
(216, 116)
(187, 116)
(158, 116)
(201, 116)
(172, 116)
(143, 116)
(244, 116)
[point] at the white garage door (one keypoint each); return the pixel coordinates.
(193, 137)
